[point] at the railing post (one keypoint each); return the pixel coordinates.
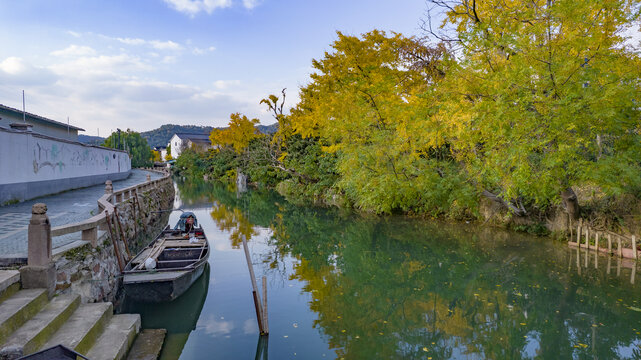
(91, 235)
(109, 189)
(40, 271)
(634, 248)
(148, 178)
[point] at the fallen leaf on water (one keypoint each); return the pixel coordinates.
(426, 349)
(523, 324)
(634, 308)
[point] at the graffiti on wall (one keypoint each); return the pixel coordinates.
(58, 157)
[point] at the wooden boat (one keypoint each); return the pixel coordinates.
(170, 264)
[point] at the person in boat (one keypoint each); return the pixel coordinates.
(187, 223)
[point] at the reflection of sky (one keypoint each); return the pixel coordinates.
(625, 351)
(213, 326)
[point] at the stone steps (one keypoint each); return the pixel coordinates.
(29, 322)
(83, 327)
(35, 332)
(17, 309)
(117, 338)
(9, 283)
(147, 345)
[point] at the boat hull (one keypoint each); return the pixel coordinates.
(140, 288)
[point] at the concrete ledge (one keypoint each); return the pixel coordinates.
(34, 189)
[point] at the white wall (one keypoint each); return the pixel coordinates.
(29, 158)
(176, 146)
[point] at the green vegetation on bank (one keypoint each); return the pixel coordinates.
(131, 141)
(523, 105)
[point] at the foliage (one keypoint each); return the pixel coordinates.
(369, 104)
(542, 96)
(132, 142)
(155, 156)
(240, 132)
(168, 156)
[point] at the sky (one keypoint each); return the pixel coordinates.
(144, 63)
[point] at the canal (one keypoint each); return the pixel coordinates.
(347, 286)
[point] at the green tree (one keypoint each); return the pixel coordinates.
(134, 144)
(369, 103)
(168, 156)
(542, 96)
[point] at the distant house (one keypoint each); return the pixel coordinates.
(181, 141)
(38, 124)
(162, 150)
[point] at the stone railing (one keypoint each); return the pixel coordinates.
(88, 269)
(107, 205)
(613, 243)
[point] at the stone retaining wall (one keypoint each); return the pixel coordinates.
(94, 272)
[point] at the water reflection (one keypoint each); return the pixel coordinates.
(180, 317)
(394, 287)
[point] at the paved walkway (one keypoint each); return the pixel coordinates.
(64, 208)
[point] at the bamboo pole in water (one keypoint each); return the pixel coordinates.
(257, 303)
(265, 321)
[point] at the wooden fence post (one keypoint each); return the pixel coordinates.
(634, 247)
(609, 243)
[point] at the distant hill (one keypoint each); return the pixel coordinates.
(268, 129)
(161, 136)
(91, 140)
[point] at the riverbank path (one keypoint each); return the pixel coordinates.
(63, 208)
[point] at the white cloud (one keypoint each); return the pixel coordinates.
(131, 41)
(201, 51)
(165, 45)
(250, 4)
(74, 51)
(193, 7)
(224, 84)
(74, 34)
(169, 59)
(16, 71)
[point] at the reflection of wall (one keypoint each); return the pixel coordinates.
(33, 165)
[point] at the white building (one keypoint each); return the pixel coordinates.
(181, 141)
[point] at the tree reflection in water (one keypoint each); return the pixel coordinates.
(395, 287)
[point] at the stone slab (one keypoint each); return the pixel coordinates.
(35, 332)
(83, 327)
(8, 278)
(118, 336)
(147, 345)
(17, 309)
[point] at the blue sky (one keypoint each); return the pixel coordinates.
(140, 64)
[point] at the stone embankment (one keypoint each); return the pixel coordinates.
(91, 267)
(84, 276)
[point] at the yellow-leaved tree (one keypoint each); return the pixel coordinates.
(240, 132)
(542, 95)
(369, 101)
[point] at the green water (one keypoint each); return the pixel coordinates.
(347, 286)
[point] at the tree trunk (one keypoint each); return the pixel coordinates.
(516, 210)
(571, 203)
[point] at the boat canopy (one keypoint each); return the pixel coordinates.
(180, 225)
